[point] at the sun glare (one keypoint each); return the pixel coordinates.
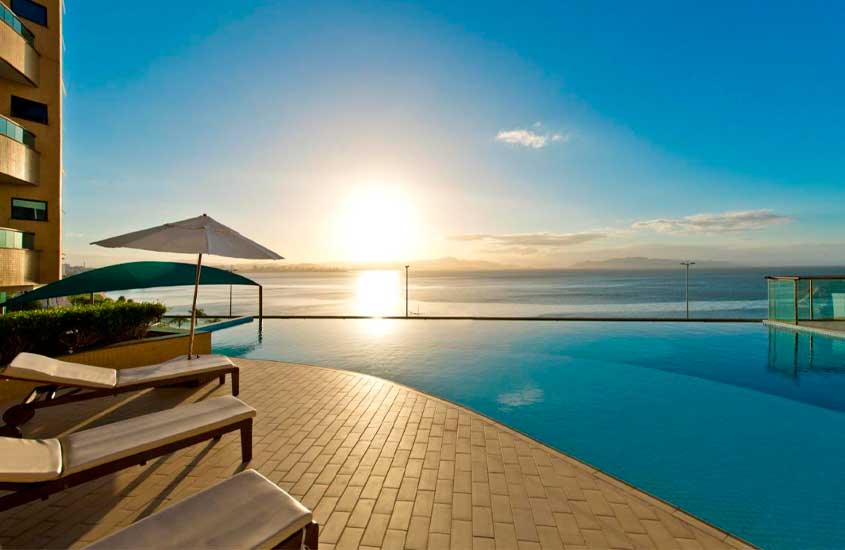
(378, 293)
(377, 224)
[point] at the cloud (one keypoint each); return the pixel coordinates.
(528, 243)
(529, 138)
(726, 222)
(513, 250)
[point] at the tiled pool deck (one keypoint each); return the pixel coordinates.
(381, 465)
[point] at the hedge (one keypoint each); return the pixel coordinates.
(64, 330)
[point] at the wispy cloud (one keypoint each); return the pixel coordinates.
(530, 138)
(529, 243)
(726, 222)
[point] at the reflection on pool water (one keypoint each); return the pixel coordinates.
(736, 423)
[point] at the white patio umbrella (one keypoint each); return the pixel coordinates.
(200, 235)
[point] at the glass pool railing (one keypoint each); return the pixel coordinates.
(12, 20)
(15, 131)
(794, 299)
(12, 238)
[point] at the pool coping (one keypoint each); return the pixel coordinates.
(830, 333)
(644, 495)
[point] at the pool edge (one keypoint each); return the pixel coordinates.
(676, 511)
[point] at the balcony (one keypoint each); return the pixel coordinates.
(18, 261)
(19, 62)
(19, 161)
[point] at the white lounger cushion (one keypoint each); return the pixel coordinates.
(29, 460)
(179, 366)
(31, 366)
(245, 511)
(89, 448)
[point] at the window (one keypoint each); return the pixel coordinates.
(29, 110)
(25, 209)
(30, 10)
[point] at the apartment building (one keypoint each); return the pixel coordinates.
(30, 143)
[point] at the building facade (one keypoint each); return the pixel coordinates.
(30, 143)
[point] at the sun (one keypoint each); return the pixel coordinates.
(377, 223)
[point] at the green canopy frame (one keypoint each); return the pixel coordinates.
(134, 275)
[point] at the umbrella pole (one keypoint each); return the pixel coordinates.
(194, 307)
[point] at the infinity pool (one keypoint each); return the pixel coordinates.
(736, 423)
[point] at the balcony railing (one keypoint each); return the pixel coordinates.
(13, 238)
(12, 129)
(12, 20)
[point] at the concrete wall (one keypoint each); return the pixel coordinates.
(136, 353)
(19, 164)
(48, 143)
(21, 60)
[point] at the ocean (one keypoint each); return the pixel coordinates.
(713, 293)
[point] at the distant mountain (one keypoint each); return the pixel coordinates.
(637, 263)
(439, 264)
(273, 267)
(443, 264)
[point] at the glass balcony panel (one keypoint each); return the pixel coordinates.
(9, 238)
(12, 20)
(12, 130)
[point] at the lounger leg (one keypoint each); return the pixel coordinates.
(311, 535)
(246, 441)
(301, 540)
(16, 416)
(236, 382)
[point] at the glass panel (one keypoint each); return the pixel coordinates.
(804, 299)
(16, 132)
(12, 20)
(31, 10)
(23, 209)
(782, 300)
(828, 299)
(10, 238)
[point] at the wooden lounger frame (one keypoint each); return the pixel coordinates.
(27, 492)
(50, 395)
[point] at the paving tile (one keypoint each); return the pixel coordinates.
(417, 536)
(376, 528)
(482, 521)
(382, 466)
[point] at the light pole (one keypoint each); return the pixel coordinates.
(406, 290)
(686, 286)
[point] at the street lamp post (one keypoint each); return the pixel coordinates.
(406, 290)
(686, 286)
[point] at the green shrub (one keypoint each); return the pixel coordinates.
(85, 299)
(59, 331)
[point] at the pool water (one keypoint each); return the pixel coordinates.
(739, 424)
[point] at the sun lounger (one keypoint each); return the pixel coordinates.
(36, 468)
(61, 382)
(245, 511)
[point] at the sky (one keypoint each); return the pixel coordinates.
(527, 134)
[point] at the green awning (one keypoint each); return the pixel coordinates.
(130, 276)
